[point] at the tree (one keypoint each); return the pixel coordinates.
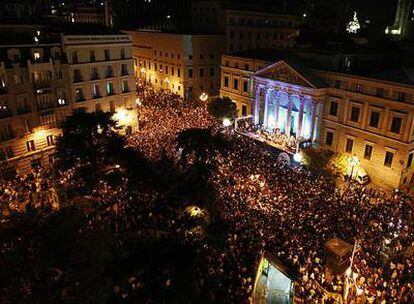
(221, 108)
(320, 161)
(91, 142)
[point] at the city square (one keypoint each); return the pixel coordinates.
(161, 165)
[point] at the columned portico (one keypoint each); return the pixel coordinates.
(290, 113)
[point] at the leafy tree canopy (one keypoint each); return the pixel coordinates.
(221, 108)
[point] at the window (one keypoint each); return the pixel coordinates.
(410, 160)
(201, 72)
(2, 155)
(50, 140)
(74, 57)
(401, 96)
(77, 75)
(368, 152)
(227, 63)
(94, 73)
(333, 110)
(245, 86)
(349, 145)
(166, 70)
(211, 72)
(380, 92)
(244, 110)
(190, 73)
(110, 88)
(236, 84)
(91, 56)
(374, 119)
(329, 138)
(396, 125)
(96, 93)
(355, 114)
(358, 87)
(122, 53)
(172, 71)
(201, 57)
(109, 72)
(337, 84)
(226, 81)
(125, 88)
(30, 146)
(124, 69)
(9, 152)
(388, 159)
(79, 94)
(190, 57)
(107, 55)
(178, 72)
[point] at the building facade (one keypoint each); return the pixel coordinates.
(42, 83)
(247, 30)
(186, 64)
(361, 117)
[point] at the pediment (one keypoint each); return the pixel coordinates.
(283, 72)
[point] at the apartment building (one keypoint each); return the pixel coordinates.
(367, 118)
(187, 64)
(246, 26)
(41, 83)
(248, 30)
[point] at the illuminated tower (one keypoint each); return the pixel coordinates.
(402, 28)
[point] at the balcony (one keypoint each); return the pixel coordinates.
(80, 98)
(95, 76)
(124, 72)
(6, 113)
(77, 79)
(44, 84)
(24, 110)
(109, 74)
(125, 90)
(3, 90)
(111, 93)
(45, 106)
(97, 96)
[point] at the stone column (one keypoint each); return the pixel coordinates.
(257, 106)
(300, 124)
(313, 120)
(277, 110)
(266, 107)
(289, 116)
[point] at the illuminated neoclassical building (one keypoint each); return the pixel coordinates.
(316, 96)
(286, 101)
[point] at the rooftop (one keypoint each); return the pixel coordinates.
(371, 62)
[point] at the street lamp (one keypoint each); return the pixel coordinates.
(226, 122)
(203, 97)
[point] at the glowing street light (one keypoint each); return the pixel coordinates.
(138, 102)
(203, 96)
(226, 122)
(298, 157)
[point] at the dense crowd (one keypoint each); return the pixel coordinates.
(34, 190)
(293, 213)
(267, 205)
(163, 116)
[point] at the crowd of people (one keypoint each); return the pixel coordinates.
(163, 115)
(292, 213)
(34, 190)
(267, 205)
